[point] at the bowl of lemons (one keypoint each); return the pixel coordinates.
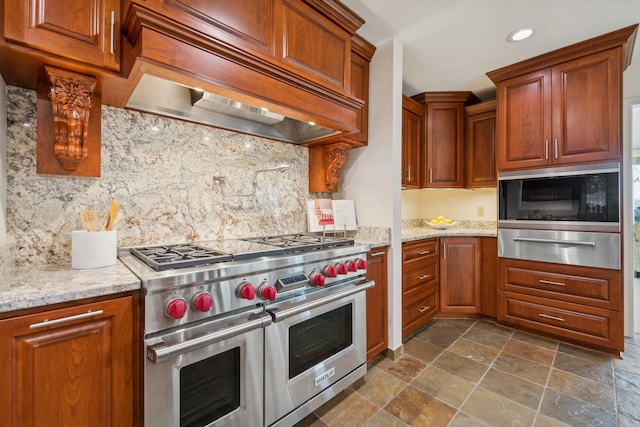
(441, 223)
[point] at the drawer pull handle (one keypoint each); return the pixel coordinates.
(549, 282)
(377, 254)
(424, 308)
(424, 276)
(424, 252)
(556, 241)
(65, 319)
(546, 316)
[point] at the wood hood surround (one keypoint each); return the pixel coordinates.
(292, 56)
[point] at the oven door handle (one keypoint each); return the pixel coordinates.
(158, 352)
(556, 241)
(281, 314)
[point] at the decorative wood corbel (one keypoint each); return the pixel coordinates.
(325, 162)
(68, 135)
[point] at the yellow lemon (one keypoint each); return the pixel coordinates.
(448, 221)
(441, 218)
(434, 221)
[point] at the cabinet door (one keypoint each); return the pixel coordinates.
(360, 89)
(411, 143)
(85, 31)
(377, 302)
(524, 121)
(445, 145)
(69, 367)
(480, 149)
(586, 109)
(460, 275)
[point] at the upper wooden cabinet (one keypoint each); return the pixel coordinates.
(411, 143)
(443, 136)
(563, 107)
(84, 31)
(480, 145)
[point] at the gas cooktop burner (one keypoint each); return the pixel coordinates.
(302, 242)
(167, 257)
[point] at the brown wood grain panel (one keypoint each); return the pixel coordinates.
(420, 312)
(445, 145)
(489, 276)
(377, 322)
(480, 145)
(412, 143)
(460, 290)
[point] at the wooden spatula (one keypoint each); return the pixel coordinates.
(89, 220)
(113, 213)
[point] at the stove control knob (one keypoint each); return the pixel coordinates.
(362, 264)
(330, 271)
(352, 266)
(317, 279)
(267, 291)
(247, 291)
(342, 268)
(176, 308)
(203, 301)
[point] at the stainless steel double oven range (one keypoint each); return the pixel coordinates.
(253, 332)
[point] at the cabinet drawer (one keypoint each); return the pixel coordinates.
(420, 312)
(419, 250)
(592, 286)
(577, 323)
(416, 280)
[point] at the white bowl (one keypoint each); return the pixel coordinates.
(442, 225)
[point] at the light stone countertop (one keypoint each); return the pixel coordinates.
(41, 285)
(417, 233)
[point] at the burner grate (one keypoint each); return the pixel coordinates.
(167, 257)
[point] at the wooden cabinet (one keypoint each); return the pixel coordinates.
(87, 31)
(377, 321)
(443, 136)
(582, 305)
(361, 53)
(411, 143)
(460, 278)
(69, 367)
(420, 284)
(563, 107)
(488, 276)
(480, 145)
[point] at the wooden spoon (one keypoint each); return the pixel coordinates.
(89, 220)
(113, 212)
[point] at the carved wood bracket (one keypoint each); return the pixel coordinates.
(336, 156)
(71, 102)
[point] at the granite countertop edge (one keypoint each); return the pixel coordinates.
(42, 285)
(417, 233)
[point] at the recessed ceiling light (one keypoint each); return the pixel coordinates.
(519, 35)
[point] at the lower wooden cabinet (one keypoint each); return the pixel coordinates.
(420, 282)
(582, 305)
(417, 313)
(377, 318)
(460, 275)
(69, 367)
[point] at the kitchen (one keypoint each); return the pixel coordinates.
(155, 201)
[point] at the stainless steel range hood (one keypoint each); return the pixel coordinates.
(159, 96)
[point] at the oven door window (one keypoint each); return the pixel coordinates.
(318, 338)
(210, 389)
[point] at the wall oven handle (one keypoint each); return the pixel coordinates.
(157, 352)
(556, 241)
(281, 314)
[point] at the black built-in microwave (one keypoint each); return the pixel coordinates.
(583, 197)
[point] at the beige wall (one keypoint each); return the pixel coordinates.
(457, 204)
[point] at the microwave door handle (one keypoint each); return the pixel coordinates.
(157, 352)
(556, 241)
(281, 314)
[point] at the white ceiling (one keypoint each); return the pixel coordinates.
(451, 44)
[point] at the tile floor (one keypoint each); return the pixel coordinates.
(465, 372)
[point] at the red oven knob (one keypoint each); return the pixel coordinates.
(330, 271)
(203, 301)
(317, 279)
(247, 291)
(267, 291)
(342, 268)
(176, 308)
(362, 264)
(352, 266)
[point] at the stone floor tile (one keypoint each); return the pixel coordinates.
(422, 350)
(311, 420)
(597, 371)
(543, 420)
(630, 364)
(487, 338)
(441, 334)
(529, 351)
(417, 408)
(493, 327)
(583, 353)
(628, 381)
(534, 339)
(511, 387)
(464, 420)
(523, 368)
(624, 421)
(594, 392)
(385, 419)
(406, 368)
(349, 409)
(628, 404)
(447, 387)
(379, 386)
(467, 369)
(474, 351)
(575, 411)
(497, 411)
